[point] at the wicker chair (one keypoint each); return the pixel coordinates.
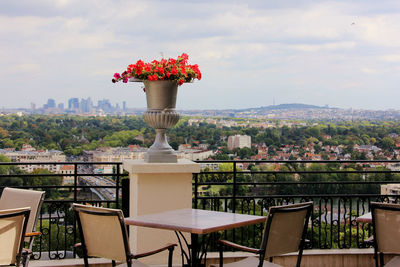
(284, 232)
(103, 234)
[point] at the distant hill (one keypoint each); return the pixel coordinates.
(284, 106)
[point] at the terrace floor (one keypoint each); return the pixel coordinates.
(311, 258)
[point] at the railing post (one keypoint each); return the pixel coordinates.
(75, 182)
(234, 199)
(75, 200)
(234, 188)
(117, 180)
(125, 196)
(196, 176)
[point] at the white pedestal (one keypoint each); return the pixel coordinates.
(157, 187)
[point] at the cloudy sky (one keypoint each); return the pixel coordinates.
(337, 53)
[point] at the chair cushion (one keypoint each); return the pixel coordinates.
(250, 261)
(395, 262)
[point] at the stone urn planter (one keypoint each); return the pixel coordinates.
(161, 115)
(161, 80)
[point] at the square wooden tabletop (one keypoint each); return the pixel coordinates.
(194, 221)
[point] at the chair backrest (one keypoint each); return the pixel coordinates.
(103, 232)
(13, 224)
(13, 198)
(386, 227)
(286, 228)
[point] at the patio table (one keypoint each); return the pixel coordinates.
(196, 222)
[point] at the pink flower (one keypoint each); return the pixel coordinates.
(125, 80)
(117, 76)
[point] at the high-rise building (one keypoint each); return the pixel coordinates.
(124, 105)
(105, 105)
(86, 105)
(60, 106)
(239, 141)
(51, 103)
(73, 103)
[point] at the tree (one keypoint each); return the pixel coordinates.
(387, 143)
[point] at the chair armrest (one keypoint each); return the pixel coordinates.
(33, 234)
(145, 254)
(239, 247)
(26, 251)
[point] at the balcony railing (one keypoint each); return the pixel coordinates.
(88, 185)
(341, 191)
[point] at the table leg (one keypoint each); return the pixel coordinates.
(197, 251)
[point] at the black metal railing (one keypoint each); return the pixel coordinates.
(341, 191)
(56, 221)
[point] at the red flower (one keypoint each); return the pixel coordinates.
(172, 61)
(130, 68)
(166, 69)
(183, 70)
(174, 71)
(147, 68)
(152, 77)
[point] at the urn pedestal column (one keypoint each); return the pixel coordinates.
(158, 187)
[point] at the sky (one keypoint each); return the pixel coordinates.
(343, 54)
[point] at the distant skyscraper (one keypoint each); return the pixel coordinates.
(33, 106)
(60, 106)
(124, 105)
(105, 105)
(51, 103)
(73, 103)
(86, 105)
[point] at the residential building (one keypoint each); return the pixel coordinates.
(29, 155)
(67, 169)
(239, 141)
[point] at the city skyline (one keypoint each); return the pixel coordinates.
(337, 53)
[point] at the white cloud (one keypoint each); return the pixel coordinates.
(289, 50)
(392, 58)
(23, 69)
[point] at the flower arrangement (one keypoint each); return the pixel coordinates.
(166, 69)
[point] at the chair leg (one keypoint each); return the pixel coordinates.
(113, 263)
(381, 259)
(299, 258)
(170, 254)
(25, 260)
(221, 256)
